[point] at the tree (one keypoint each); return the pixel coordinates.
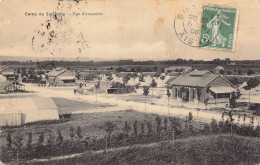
(251, 83)
(126, 78)
(162, 78)
(158, 124)
(50, 140)
(206, 128)
(250, 72)
(110, 77)
(214, 126)
(72, 134)
(17, 142)
(28, 145)
(127, 128)
(145, 92)
(239, 72)
(231, 119)
(149, 127)
(229, 72)
(190, 117)
(9, 140)
(135, 127)
(169, 95)
(39, 144)
(234, 81)
(142, 128)
(232, 100)
(109, 127)
(153, 85)
(78, 132)
(141, 78)
(165, 124)
(78, 76)
(174, 126)
(97, 86)
(40, 139)
(222, 72)
(59, 140)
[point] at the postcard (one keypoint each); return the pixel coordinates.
(129, 82)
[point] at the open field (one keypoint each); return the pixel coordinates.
(218, 149)
(67, 106)
(90, 124)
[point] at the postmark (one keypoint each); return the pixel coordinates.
(187, 26)
(218, 25)
(206, 29)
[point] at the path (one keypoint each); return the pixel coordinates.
(203, 116)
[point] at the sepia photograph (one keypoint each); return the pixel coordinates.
(129, 82)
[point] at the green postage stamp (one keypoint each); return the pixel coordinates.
(218, 28)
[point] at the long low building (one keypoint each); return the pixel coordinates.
(61, 77)
(202, 86)
(19, 111)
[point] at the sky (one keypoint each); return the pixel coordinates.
(125, 29)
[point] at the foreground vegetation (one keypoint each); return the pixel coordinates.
(115, 134)
(213, 149)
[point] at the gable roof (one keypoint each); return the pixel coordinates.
(7, 83)
(123, 74)
(220, 68)
(6, 71)
(151, 74)
(170, 79)
(200, 81)
(199, 72)
(57, 71)
(33, 108)
(177, 67)
(2, 68)
(174, 74)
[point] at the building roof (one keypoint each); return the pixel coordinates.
(67, 77)
(57, 71)
(222, 89)
(151, 74)
(7, 83)
(2, 68)
(174, 74)
(199, 72)
(2, 78)
(219, 68)
(199, 81)
(123, 74)
(33, 109)
(170, 79)
(6, 71)
(178, 67)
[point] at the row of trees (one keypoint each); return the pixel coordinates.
(21, 146)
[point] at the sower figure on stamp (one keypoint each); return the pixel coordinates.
(215, 25)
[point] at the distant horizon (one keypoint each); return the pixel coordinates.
(35, 59)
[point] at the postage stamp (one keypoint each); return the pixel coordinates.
(213, 28)
(218, 28)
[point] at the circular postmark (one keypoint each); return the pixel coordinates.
(188, 25)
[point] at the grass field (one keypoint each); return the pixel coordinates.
(214, 150)
(90, 124)
(69, 106)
